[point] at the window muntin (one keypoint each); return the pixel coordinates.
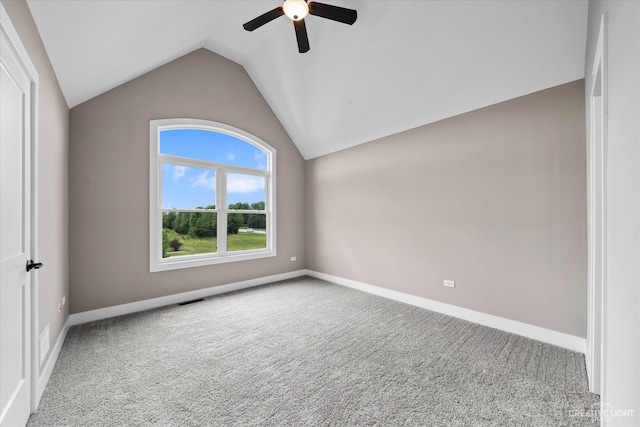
(212, 192)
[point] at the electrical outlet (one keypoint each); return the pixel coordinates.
(450, 283)
(64, 299)
(59, 308)
(293, 258)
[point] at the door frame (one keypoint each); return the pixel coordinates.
(11, 35)
(596, 350)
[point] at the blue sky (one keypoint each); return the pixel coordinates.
(188, 187)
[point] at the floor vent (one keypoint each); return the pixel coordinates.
(191, 302)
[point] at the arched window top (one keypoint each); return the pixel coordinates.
(212, 141)
(213, 145)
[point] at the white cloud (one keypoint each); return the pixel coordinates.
(206, 181)
(178, 172)
(237, 183)
(231, 157)
(261, 159)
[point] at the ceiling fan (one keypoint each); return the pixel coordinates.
(296, 10)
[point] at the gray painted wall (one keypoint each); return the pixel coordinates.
(52, 177)
(621, 386)
(109, 180)
(494, 199)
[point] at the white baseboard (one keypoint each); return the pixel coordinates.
(134, 307)
(549, 336)
(45, 372)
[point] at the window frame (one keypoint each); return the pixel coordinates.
(156, 162)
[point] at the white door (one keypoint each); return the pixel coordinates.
(15, 235)
(597, 230)
(597, 217)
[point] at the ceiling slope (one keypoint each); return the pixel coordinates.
(403, 64)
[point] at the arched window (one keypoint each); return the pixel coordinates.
(211, 194)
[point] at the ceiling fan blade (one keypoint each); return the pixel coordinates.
(301, 35)
(335, 13)
(263, 19)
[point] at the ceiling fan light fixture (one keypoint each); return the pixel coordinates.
(296, 9)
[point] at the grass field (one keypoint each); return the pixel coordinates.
(235, 242)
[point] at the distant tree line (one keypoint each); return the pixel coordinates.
(205, 224)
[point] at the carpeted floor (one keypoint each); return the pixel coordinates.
(306, 352)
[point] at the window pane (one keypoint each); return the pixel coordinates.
(189, 233)
(246, 231)
(211, 146)
(188, 188)
(245, 191)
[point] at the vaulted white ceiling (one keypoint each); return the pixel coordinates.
(403, 64)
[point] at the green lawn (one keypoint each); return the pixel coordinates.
(235, 242)
(243, 241)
